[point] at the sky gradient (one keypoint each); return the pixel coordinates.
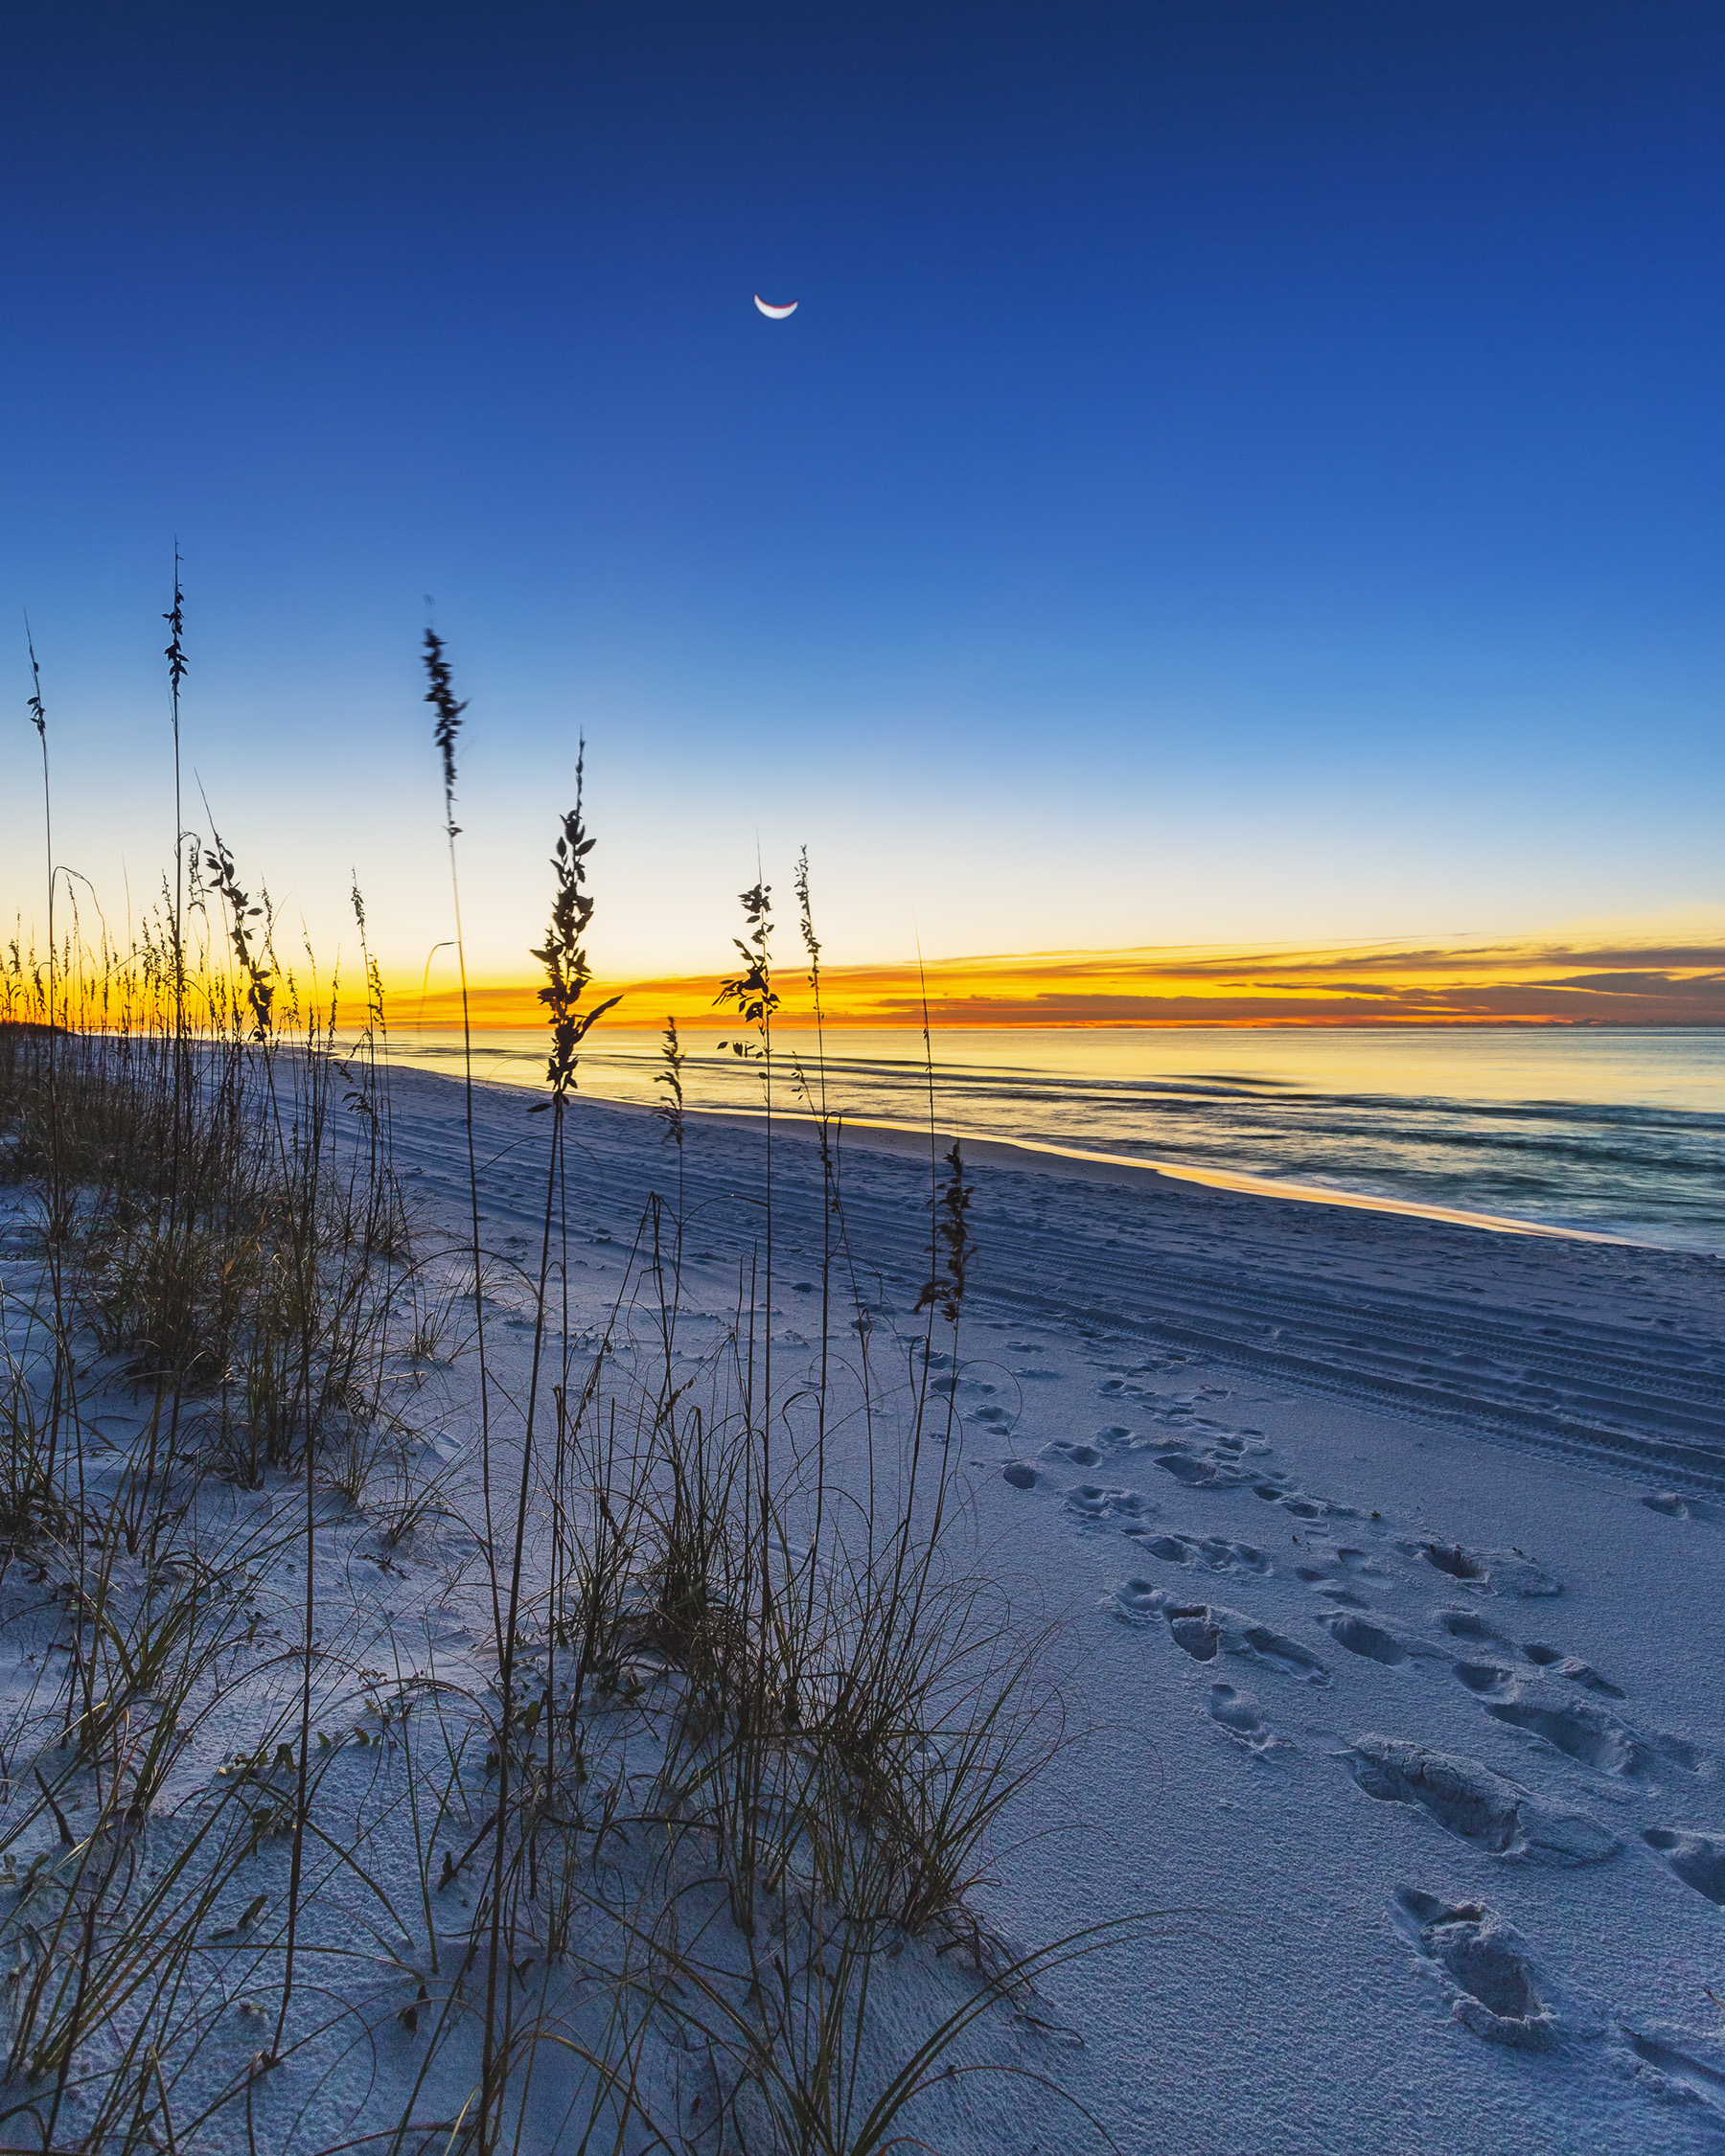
(1239, 475)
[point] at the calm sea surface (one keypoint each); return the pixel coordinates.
(1620, 1132)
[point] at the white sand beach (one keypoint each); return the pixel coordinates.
(1319, 1418)
(1384, 1561)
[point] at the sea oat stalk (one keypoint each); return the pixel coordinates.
(567, 973)
(441, 697)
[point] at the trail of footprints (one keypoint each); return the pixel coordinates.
(1476, 1961)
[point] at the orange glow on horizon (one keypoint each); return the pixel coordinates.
(1586, 983)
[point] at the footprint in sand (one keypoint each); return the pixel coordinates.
(1375, 1640)
(1469, 1624)
(1698, 1860)
(1581, 1731)
(1215, 1467)
(1501, 1571)
(1470, 1802)
(1326, 1566)
(1074, 1454)
(1557, 1664)
(1205, 1630)
(1482, 1966)
(1677, 2077)
(1304, 1507)
(1092, 1501)
(1676, 1507)
(1210, 1551)
(1277, 1489)
(1235, 1712)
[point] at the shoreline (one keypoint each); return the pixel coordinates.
(1551, 1141)
(1031, 1154)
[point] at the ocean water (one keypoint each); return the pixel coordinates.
(1617, 1131)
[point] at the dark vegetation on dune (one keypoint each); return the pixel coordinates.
(743, 1719)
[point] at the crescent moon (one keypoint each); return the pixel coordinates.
(774, 314)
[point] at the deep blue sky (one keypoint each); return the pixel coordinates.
(1237, 469)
